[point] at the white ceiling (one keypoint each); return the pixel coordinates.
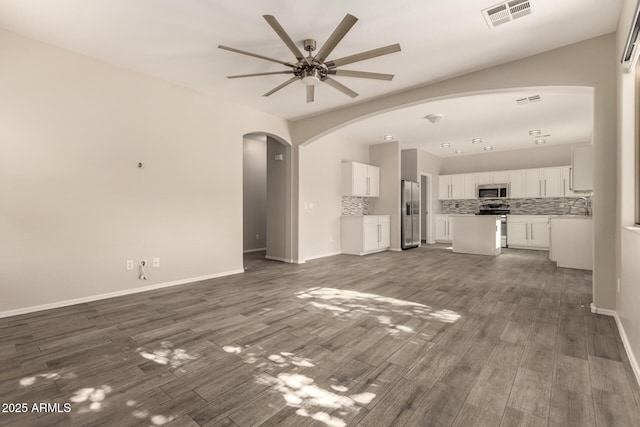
(176, 40)
(565, 114)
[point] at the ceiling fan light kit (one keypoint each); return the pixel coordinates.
(311, 70)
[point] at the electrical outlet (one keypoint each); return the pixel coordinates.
(330, 239)
(156, 262)
(257, 237)
(129, 264)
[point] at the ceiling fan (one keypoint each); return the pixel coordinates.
(312, 70)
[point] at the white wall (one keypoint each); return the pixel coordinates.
(591, 63)
(254, 192)
(628, 268)
(387, 157)
(409, 165)
(73, 204)
(538, 157)
(321, 193)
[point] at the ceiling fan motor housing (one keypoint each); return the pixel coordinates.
(309, 45)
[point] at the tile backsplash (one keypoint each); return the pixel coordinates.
(355, 205)
(539, 206)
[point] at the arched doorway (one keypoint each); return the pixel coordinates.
(267, 194)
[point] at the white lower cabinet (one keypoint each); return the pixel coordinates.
(528, 231)
(444, 230)
(365, 234)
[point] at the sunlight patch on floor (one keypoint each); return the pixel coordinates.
(90, 399)
(301, 391)
(167, 355)
(143, 414)
(313, 401)
(350, 304)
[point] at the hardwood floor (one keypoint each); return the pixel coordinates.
(418, 338)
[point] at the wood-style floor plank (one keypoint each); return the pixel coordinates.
(418, 338)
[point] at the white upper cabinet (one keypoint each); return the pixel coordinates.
(552, 182)
(501, 177)
(361, 180)
(543, 182)
(457, 186)
(566, 182)
(516, 182)
(533, 183)
(523, 183)
(470, 184)
(485, 178)
(451, 187)
(582, 168)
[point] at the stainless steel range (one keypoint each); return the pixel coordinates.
(499, 208)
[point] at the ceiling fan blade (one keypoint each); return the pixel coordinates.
(260, 74)
(277, 88)
(273, 22)
(342, 88)
(362, 74)
(364, 55)
(255, 55)
(310, 93)
(341, 30)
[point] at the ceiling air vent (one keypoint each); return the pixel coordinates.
(528, 100)
(506, 11)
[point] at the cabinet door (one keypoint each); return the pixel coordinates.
(359, 179)
(582, 168)
(501, 177)
(457, 186)
(442, 228)
(450, 229)
(516, 184)
(539, 232)
(385, 233)
(533, 183)
(373, 174)
(470, 183)
(444, 187)
(371, 236)
(485, 178)
(517, 231)
(566, 181)
(552, 182)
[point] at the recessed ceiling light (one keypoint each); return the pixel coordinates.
(459, 151)
(488, 148)
(535, 132)
(434, 118)
(387, 137)
(445, 145)
(540, 141)
(476, 140)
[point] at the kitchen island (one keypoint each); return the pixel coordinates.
(476, 234)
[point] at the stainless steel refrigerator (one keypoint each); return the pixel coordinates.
(410, 214)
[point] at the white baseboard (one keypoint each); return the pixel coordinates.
(322, 256)
(623, 335)
(247, 251)
(395, 249)
(603, 311)
(287, 260)
(91, 298)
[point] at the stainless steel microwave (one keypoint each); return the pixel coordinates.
(493, 191)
